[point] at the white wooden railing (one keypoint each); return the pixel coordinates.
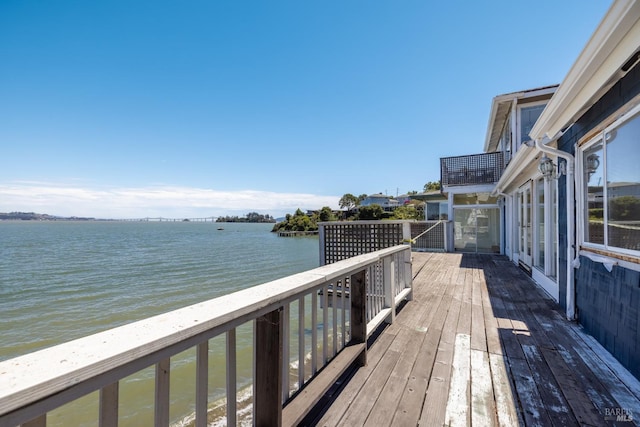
(35, 384)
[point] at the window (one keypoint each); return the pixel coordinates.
(540, 247)
(612, 186)
(437, 211)
(505, 140)
(527, 118)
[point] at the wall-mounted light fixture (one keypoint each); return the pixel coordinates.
(548, 168)
(592, 164)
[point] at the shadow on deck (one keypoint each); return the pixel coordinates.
(481, 345)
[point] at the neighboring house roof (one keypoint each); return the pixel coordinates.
(501, 108)
(610, 52)
(430, 196)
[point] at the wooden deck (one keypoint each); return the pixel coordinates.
(481, 345)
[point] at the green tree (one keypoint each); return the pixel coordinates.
(624, 208)
(432, 186)
(348, 201)
(299, 221)
(372, 212)
(361, 198)
(407, 212)
(326, 214)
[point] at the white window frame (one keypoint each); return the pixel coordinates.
(518, 141)
(600, 136)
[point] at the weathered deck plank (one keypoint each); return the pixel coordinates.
(480, 344)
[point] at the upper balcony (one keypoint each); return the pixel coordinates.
(474, 169)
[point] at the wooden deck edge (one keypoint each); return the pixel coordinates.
(300, 406)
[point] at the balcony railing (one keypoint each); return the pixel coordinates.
(339, 319)
(474, 169)
(344, 239)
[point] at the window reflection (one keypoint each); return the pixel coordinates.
(528, 117)
(594, 230)
(623, 185)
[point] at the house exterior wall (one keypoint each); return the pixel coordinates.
(608, 307)
(608, 303)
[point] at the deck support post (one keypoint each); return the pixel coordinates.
(359, 313)
(267, 403)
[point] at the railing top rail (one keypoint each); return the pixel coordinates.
(368, 222)
(36, 375)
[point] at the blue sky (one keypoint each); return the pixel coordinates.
(203, 108)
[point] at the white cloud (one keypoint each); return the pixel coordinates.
(140, 202)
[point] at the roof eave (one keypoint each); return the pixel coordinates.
(490, 143)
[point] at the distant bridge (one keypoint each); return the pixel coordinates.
(163, 219)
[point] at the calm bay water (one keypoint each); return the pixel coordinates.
(64, 280)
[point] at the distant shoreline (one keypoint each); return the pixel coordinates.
(32, 216)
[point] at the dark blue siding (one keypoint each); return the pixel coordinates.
(608, 307)
(608, 303)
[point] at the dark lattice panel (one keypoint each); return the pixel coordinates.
(474, 169)
(346, 240)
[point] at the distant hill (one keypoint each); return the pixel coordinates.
(32, 216)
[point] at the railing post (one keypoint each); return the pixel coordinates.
(202, 383)
(40, 421)
(408, 274)
(267, 403)
(359, 313)
(389, 281)
(232, 385)
(108, 408)
(321, 239)
(162, 393)
(406, 232)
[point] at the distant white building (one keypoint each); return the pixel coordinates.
(386, 202)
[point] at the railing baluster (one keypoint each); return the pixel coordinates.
(389, 287)
(345, 301)
(369, 294)
(334, 319)
(314, 332)
(232, 387)
(286, 352)
(301, 355)
(378, 287)
(325, 324)
(162, 393)
(108, 412)
(40, 421)
(349, 305)
(202, 383)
